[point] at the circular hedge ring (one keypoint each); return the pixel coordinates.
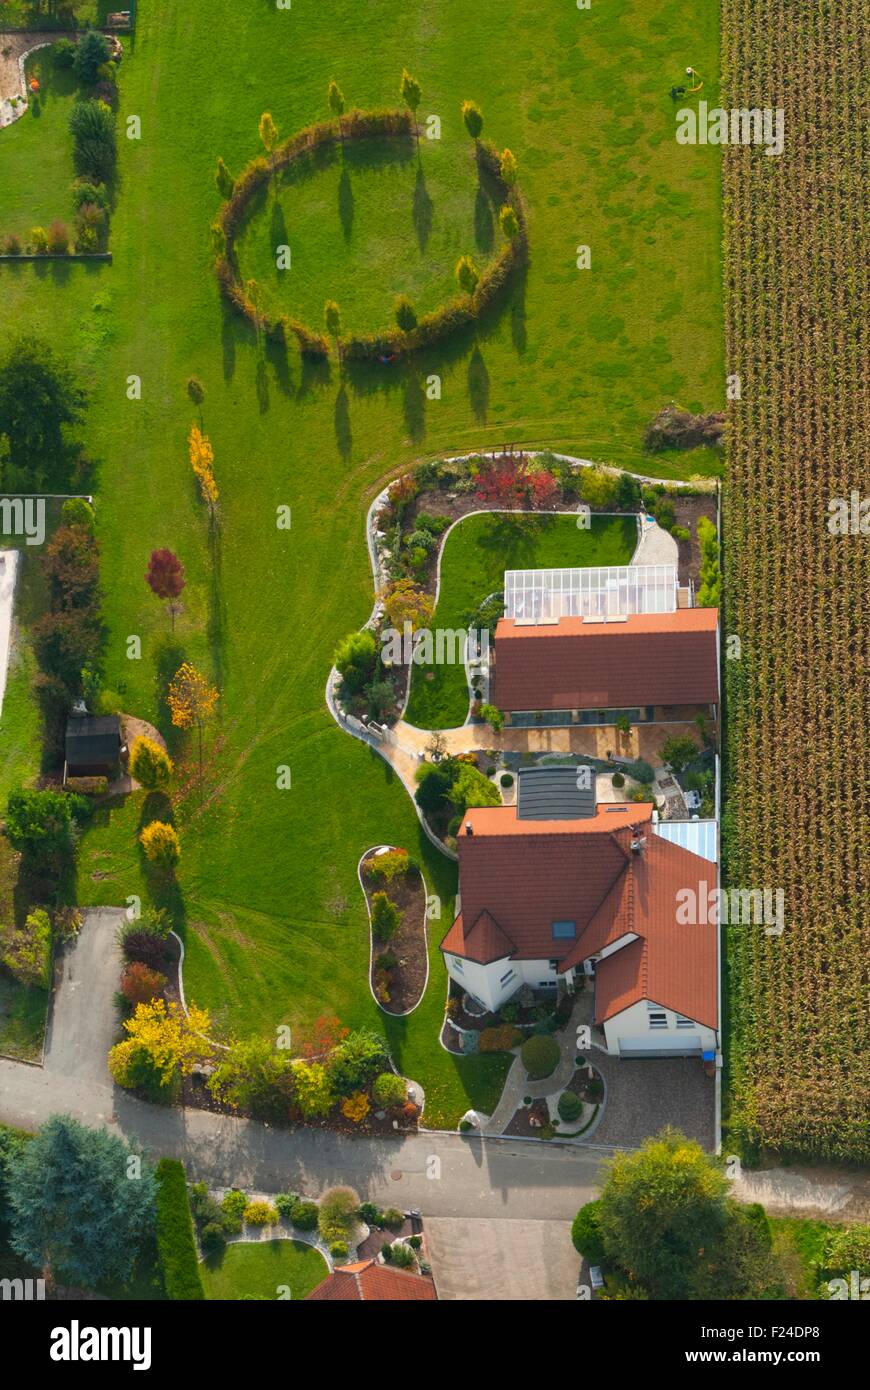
(459, 312)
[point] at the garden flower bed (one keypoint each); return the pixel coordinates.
(399, 965)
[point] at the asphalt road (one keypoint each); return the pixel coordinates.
(444, 1174)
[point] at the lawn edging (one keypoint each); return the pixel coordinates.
(407, 1012)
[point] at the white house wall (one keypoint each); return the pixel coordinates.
(629, 1032)
(488, 983)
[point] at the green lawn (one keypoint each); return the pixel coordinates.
(366, 223)
(269, 901)
(23, 1011)
(799, 1243)
(20, 14)
(476, 554)
(258, 1270)
(42, 138)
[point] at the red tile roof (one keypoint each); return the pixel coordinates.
(484, 942)
(517, 878)
(671, 964)
(370, 1282)
(648, 659)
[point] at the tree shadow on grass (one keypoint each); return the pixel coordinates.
(478, 386)
(343, 432)
(262, 381)
(423, 209)
(163, 887)
(169, 655)
(315, 373)
(345, 204)
(484, 225)
(229, 330)
(519, 336)
(414, 407)
(278, 232)
(216, 626)
(279, 360)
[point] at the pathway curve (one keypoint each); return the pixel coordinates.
(518, 1084)
(14, 49)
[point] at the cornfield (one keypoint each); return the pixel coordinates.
(796, 818)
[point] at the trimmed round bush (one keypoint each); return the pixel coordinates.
(213, 1238)
(260, 1214)
(389, 1089)
(586, 1234)
(285, 1202)
(506, 779)
(618, 779)
(338, 1250)
(304, 1216)
(540, 1055)
(569, 1106)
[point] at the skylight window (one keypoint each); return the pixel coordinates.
(564, 931)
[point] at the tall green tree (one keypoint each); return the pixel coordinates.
(669, 1228)
(80, 1203)
(39, 395)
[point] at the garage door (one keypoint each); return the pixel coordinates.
(684, 1045)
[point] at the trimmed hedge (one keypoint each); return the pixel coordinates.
(456, 313)
(176, 1246)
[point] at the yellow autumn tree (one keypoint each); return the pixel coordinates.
(160, 843)
(202, 463)
(405, 602)
(192, 700)
(163, 1043)
(150, 764)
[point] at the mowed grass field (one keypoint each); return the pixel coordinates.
(272, 912)
(476, 554)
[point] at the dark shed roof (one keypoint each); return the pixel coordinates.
(93, 739)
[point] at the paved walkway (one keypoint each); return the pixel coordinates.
(656, 546)
(518, 1084)
(8, 571)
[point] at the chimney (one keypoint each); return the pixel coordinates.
(469, 829)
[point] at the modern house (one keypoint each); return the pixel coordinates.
(370, 1282)
(93, 745)
(587, 646)
(560, 885)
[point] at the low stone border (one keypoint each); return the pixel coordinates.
(57, 256)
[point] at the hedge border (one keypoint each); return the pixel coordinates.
(458, 312)
(176, 1245)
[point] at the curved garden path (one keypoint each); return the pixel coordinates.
(14, 48)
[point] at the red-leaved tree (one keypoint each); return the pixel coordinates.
(165, 578)
(508, 480)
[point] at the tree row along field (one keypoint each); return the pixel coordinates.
(796, 817)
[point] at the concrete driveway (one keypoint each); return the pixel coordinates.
(84, 1023)
(481, 1260)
